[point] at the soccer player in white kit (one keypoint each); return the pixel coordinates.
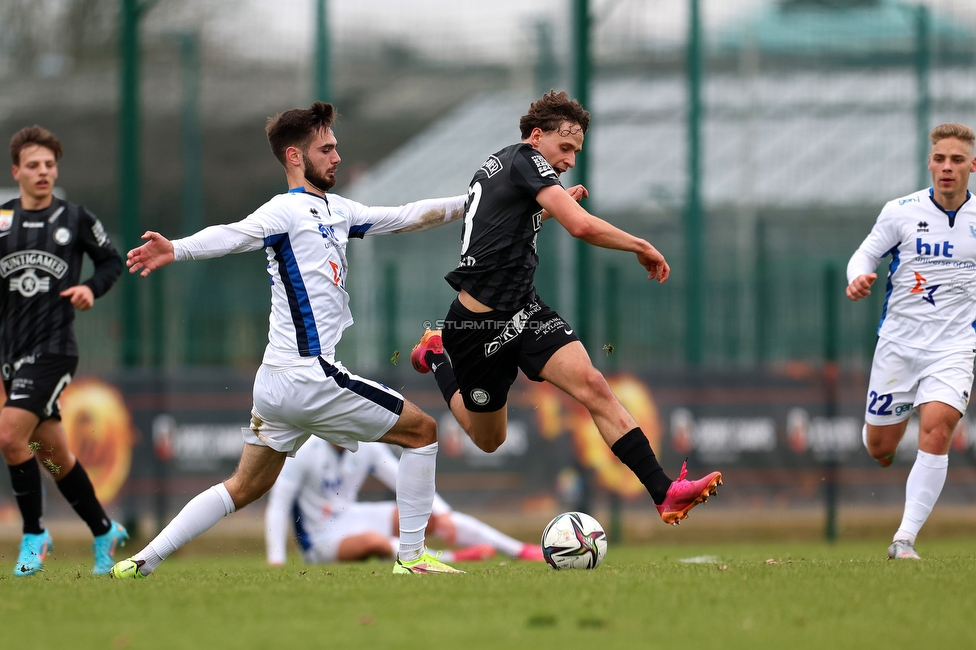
(317, 493)
(927, 335)
(300, 388)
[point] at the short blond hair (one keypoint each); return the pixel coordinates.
(955, 130)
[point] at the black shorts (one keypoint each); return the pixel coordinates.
(35, 382)
(488, 349)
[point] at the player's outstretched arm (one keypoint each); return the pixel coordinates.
(593, 230)
(156, 253)
(860, 287)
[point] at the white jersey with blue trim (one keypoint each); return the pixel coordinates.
(930, 300)
(305, 237)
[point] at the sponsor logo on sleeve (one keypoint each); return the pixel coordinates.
(7, 219)
(543, 166)
(98, 230)
(492, 166)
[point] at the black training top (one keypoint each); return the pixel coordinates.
(501, 221)
(41, 256)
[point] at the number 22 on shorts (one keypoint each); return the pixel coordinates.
(880, 404)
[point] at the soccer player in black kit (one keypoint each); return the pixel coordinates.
(42, 240)
(499, 325)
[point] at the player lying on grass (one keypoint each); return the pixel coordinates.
(300, 389)
(317, 493)
(926, 338)
(498, 324)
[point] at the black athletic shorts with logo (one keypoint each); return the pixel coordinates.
(487, 349)
(35, 382)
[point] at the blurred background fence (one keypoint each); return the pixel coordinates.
(753, 142)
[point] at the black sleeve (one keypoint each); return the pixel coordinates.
(531, 171)
(95, 241)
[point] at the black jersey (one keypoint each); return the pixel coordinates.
(501, 222)
(41, 256)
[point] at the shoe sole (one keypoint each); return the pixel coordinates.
(675, 517)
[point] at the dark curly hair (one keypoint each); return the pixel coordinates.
(551, 110)
(33, 135)
(297, 127)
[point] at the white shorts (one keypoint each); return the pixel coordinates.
(904, 377)
(322, 545)
(321, 399)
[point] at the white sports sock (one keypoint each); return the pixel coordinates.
(922, 490)
(472, 531)
(196, 517)
(864, 435)
(395, 545)
(414, 496)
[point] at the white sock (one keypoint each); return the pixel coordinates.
(471, 531)
(196, 517)
(395, 545)
(864, 435)
(414, 496)
(922, 490)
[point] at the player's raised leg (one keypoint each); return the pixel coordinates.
(416, 432)
(570, 370)
(937, 421)
(487, 430)
(256, 473)
(429, 356)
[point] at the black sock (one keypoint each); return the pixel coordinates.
(25, 479)
(78, 490)
(635, 452)
(443, 371)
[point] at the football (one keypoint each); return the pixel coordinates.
(574, 540)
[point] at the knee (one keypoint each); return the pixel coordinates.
(879, 446)
(424, 433)
(937, 437)
(880, 449)
(13, 445)
(489, 442)
(594, 391)
(245, 493)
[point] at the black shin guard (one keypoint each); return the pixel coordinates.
(636, 453)
(77, 489)
(25, 479)
(443, 371)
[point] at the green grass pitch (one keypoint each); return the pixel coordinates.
(782, 595)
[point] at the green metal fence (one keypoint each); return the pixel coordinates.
(753, 142)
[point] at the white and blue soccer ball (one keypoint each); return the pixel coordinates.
(574, 540)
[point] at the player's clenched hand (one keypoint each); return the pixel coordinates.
(82, 297)
(156, 253)
(576, 192)
(655, 263)
(861, 286)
